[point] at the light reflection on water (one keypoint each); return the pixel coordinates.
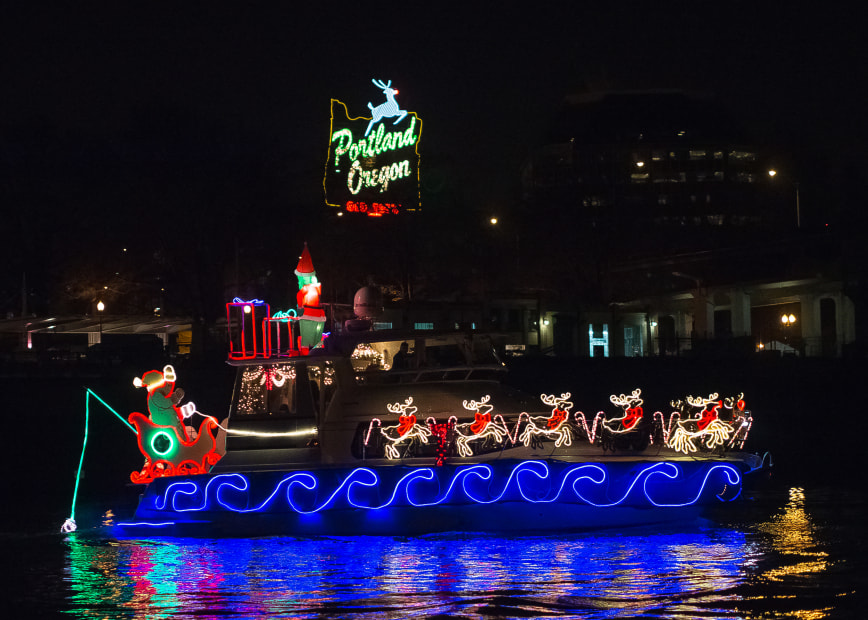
(778, 566)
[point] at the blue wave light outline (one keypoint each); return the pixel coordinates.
(189, 496)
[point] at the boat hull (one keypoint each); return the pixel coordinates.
(499, 496)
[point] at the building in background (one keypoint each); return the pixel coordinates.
(628, 160)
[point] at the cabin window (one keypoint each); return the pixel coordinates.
(321, 380)
(270, 392)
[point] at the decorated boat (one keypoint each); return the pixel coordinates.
(353, 433)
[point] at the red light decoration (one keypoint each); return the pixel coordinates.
(248, 335)
(168, 453)
(377, 209)
(283, 333)
(443, 431)
(163, 438)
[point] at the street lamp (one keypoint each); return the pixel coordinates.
(100, 307)
(772, 174)
(787, 320)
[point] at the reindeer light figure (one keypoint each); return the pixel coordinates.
(706, 426)
(482, 426)
(386, 109)
(556, 426)
(632, 406)
(406, 431)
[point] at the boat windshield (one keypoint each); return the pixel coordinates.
(421, 359)
(275, 391)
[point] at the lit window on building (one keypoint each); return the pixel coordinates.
(697, 154)
(745, 177)
(639, 177)
(672, 177)
(658, 155)
(742, 155)
(423, 326)
(382, 325)
(718, 154)
(718, 175)
(715, 220)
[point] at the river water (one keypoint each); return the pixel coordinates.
(792, 547)
(787, 552)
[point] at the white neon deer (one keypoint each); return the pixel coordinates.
(385, 110)
(706, 426)
(406, 431)
(556, 426)
(632, 406)
(482, 426)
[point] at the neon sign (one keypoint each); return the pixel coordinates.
(373, 165)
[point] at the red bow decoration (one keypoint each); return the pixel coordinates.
(708, 417)
(633, 416)
(405, 423)
(557, 417)
(482, 420)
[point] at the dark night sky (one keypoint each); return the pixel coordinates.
(477, 77)
(486, 82)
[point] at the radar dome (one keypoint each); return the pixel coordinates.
(368, 303)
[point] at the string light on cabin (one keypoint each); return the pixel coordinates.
(252, 397)
(366, 352)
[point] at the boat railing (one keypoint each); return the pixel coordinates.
(429, 374)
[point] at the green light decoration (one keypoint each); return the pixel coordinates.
(379, 143)
(163, 444)
(285, 314)
(70, 525)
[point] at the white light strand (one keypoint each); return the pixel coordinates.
(230, 431)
